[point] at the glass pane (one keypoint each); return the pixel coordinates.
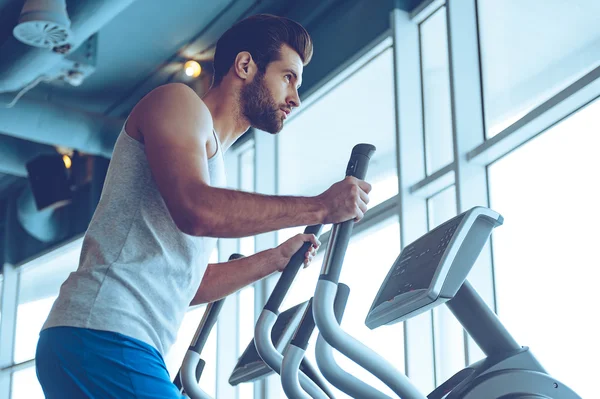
(246, 390)
(448, 333)
(247, 170)
(368, 260)
(26, 385)
(39, 284)
(1, 287)
(246, 332)
(531, 50)
(544, 255)
(246, 295)
(30, 318)
(315, 146)
(247, 247)
(436, 91)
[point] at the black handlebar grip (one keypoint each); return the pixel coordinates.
(235, 256)
(359, 160)
(357, 167)
(341, 299)
(289, 273)
(305, 329)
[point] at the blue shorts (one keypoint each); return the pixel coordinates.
(81, 363)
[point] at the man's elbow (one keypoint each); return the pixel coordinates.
(193, 224)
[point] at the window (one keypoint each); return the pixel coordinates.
(1, 287)
(315, 146)
(436, 91)
(367, 262)
(246, 183)
(25, 384)
(245, 296)
(448, 333)
(40, 281)
(545, 263)
(532, 50)
(246, 332)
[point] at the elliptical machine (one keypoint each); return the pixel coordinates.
(276, 337)
(429, 272)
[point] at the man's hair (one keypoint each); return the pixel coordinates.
(262, 36)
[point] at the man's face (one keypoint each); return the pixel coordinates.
(270, 97)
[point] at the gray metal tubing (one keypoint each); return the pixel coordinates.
(481, 322)
(341, 379)
(290, 367)
(188, 376)
(354, 349)
(270, 355)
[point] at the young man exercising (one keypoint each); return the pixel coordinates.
(145, 254)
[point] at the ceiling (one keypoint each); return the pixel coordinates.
(144, 44)
(136, 46)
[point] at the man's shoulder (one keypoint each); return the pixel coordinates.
(172, 102)
(178, 93)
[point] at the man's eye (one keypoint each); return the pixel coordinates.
(288, 77)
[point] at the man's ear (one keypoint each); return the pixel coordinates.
(244, 66)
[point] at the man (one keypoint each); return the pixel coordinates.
(145, 254)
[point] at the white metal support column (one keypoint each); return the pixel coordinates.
(227, 324)
(418, 333)
(10, 293)
(469, 133)
(265, 178)
(10, 303)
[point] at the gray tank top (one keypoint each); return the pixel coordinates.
(137, 271)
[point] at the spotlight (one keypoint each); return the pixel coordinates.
(67, 161)
(192, 69)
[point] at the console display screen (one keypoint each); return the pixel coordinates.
(416, 266)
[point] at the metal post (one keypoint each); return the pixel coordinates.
(418, 338)
(469, 132)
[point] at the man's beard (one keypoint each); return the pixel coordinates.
(258, 106)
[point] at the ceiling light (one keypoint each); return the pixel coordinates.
(67, 161)
(192, 69)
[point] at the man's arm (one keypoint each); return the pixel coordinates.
(223, 279)
(176, 126)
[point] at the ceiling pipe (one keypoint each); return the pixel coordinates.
(15, 153)
(48, 123)
(22, 64)
(49, 225)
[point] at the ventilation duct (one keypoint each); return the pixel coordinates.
(15, 153)
(26, 63)
(47, 123)
(49, 225)
(44, 23)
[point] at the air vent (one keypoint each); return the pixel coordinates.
(44, 24)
